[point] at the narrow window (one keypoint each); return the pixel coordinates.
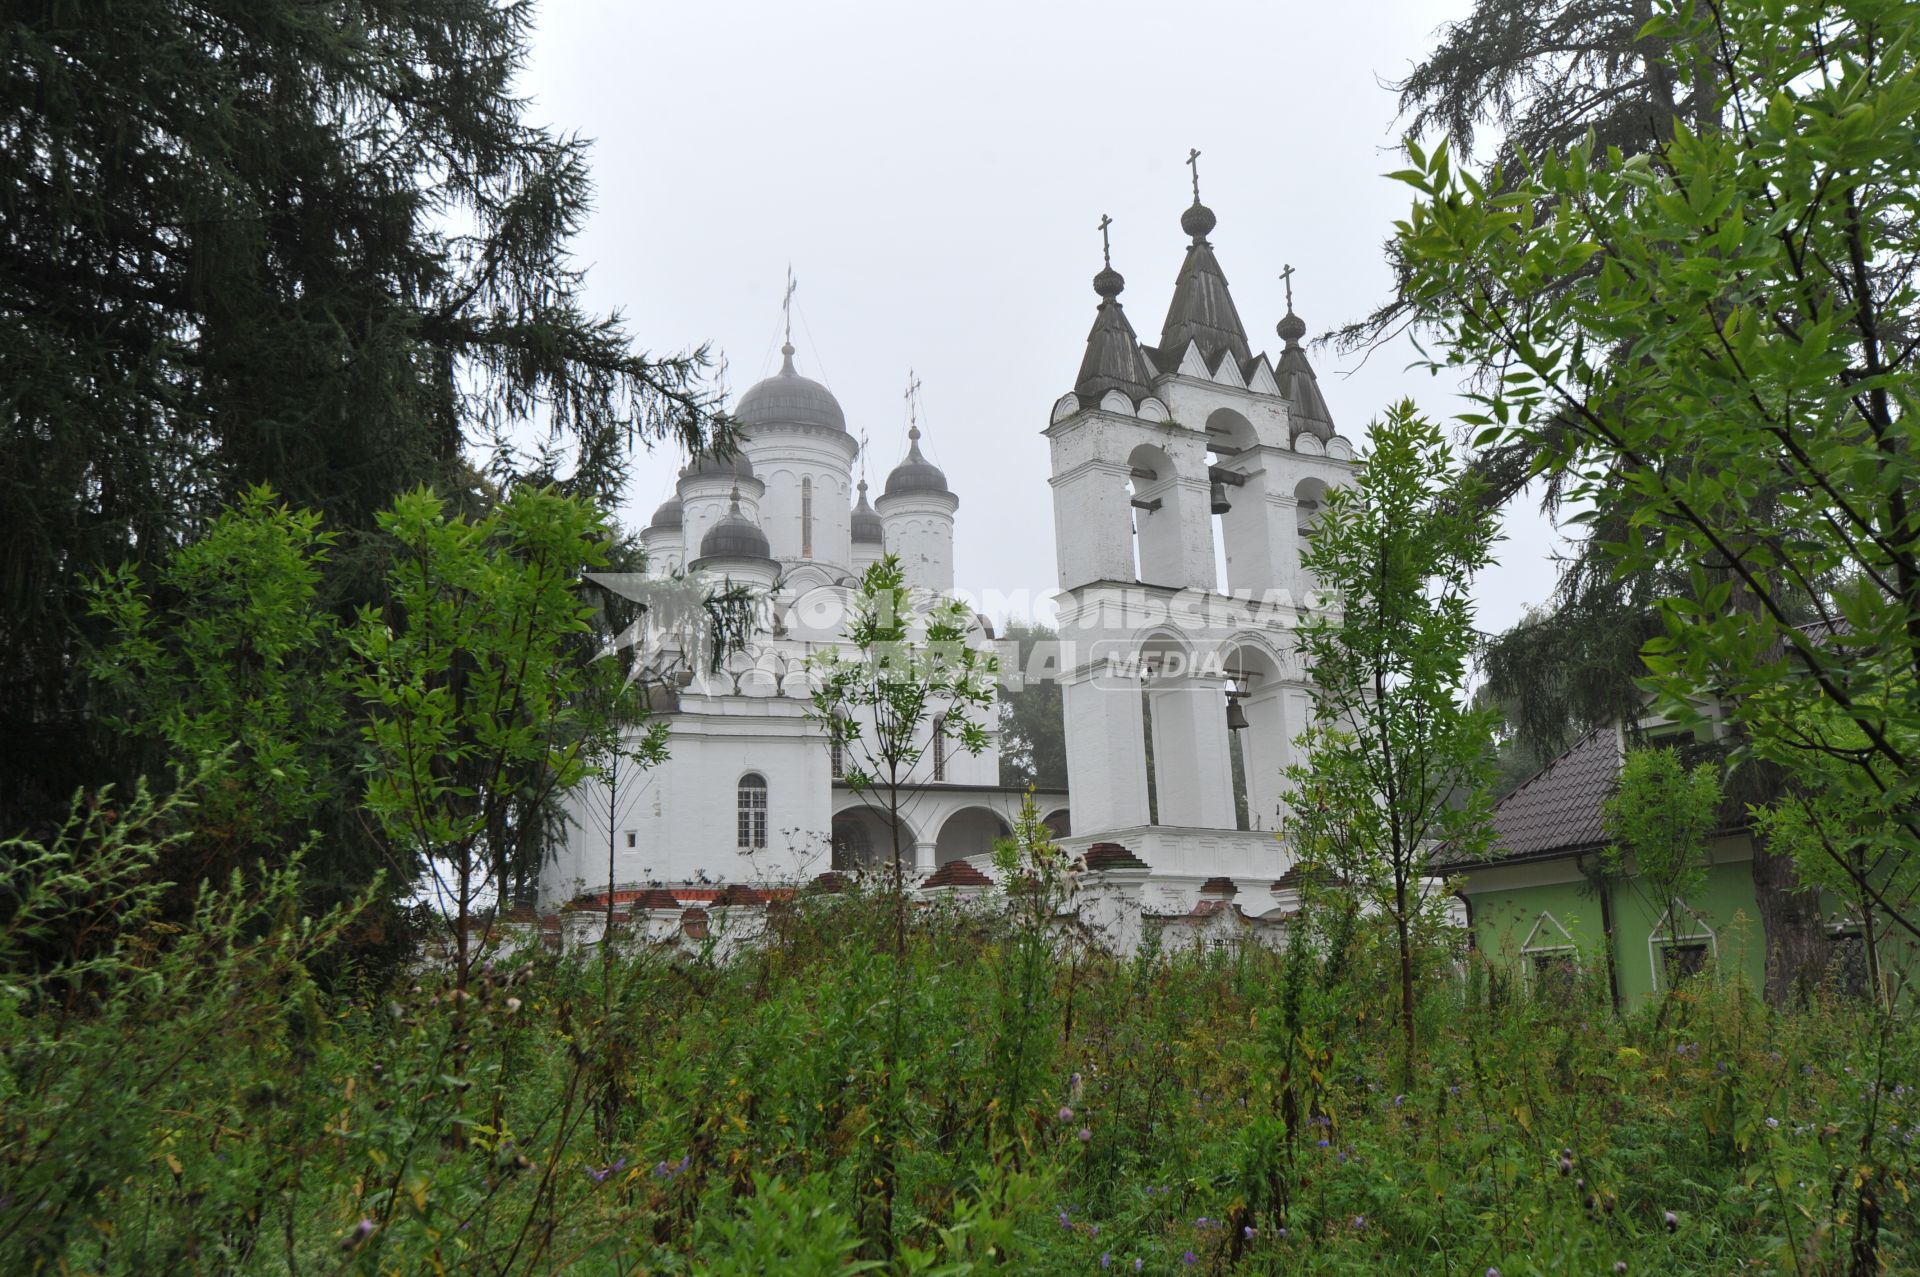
(1556, 977)
(839, 761)
(633, 838)
(753, 812)
(940, 748)
(1683, 961)
(806, 518)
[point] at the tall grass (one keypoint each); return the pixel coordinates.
(191, 1101)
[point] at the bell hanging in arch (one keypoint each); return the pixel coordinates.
(1236, 714)
(1220, 503)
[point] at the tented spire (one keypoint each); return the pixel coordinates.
(1113, 360)
(1295, 374)
(1202, 309)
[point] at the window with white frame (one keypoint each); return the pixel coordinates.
(1551, 960)
(753, 812)
(940, 748)
(1681, 945)
(806, 518)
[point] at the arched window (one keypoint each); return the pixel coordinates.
(806, 518)
(940, 747)
(753, 812)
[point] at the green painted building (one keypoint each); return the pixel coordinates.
(1542, 910)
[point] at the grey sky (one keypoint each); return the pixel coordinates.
(935, 173)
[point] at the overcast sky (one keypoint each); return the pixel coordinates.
(935, 173)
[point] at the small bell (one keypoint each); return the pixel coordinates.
(1236, 716)
(1220, 503)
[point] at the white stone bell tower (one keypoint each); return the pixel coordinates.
(1184, 479)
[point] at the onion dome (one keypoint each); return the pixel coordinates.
(788, 399)
(1298, 383)
(916, 473)
(867, 528)
(734, 537)
(668, 517)
(736, 467)
(1198, 221)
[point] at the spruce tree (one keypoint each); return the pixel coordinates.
(316, 246)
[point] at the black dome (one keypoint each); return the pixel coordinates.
(735, 536)
(670, 515)
(867, 528)
(916, 473)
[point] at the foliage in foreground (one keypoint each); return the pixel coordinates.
(191, 1102)
(1709, 344)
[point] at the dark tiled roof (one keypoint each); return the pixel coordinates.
(1219, 887)
(1299, 874)
(1561, 808)
(828, 883)
(655, 898)
(1111, 855)
(740, 894)
(957, 873)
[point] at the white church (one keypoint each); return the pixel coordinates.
(1186, 476)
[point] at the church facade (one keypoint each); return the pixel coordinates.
(1185, 476)
(752, 792)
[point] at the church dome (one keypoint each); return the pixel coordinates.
(788, 399)
(916, 473)
(867, 528)
(669, 516)
(1198, 221)
(734, 537)
(706, 464)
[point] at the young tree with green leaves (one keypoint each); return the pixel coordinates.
(482, 702)
(909, 678)
(1841, 849)
(1398, 758)
(1710, 341)
(1659, 821)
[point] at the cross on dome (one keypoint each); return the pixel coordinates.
(786, 308)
